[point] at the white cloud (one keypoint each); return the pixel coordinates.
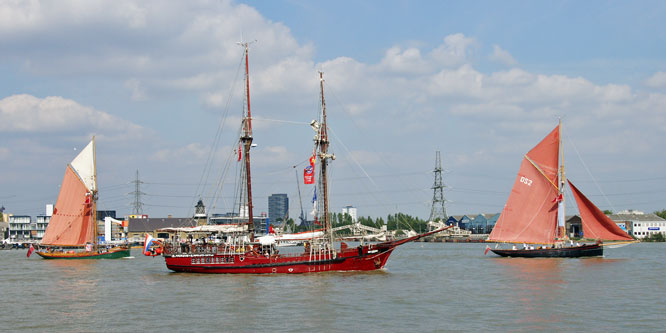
(172, 56)
(455, 50)
(30, 114)
(193, 153)
(657, 80)
(502, 56)
(407, 61)
(138, 93)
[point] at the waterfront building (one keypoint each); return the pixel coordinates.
(19, 228)
(278, 207)
(101, 214)
(260, 222)
(452, 221)
(639, 224)
(463, 221)
(351, 211)
(4, 226)
(483, 223)
(200, 213)
(138, 227)
(478, 224)
(41, 222)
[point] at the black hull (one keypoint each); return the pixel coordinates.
(594, 250)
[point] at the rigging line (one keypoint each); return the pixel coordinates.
(629, 193)
(358, 165)
(588, 170)
(217, 189)
(280, 121)
(284, 170)
(352, 158)
(541, 172)
(209, 161)
(353, 120)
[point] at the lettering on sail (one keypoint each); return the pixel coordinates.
(526, 181)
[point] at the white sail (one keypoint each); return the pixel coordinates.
(84, 165)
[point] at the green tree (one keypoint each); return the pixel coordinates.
(661, 213)
(655, 237)
(608, 212)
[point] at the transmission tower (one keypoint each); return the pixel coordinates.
(438, 210)
(137, 205)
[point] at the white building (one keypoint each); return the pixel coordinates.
(19, 228)
(351, 211)
(639, 224)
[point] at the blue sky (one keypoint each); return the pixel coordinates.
(482, 81)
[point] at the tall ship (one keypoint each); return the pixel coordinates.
(535, 209)
(235, 249)
(72, 230)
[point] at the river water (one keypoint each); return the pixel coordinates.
(424, 287)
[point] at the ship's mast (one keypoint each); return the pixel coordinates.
(561, 209)
(94, 196)
(246, 140)
(322, 142)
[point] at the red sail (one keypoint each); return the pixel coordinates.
(546, 154)
(596, 225)
(70, 224)
(530, 214)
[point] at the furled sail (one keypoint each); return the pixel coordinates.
(72, 221)
(596, 225)
(530, 213)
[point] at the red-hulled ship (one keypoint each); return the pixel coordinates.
(234, 249)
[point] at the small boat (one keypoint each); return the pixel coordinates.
(72, 230)
(239, 251)
(535, 209)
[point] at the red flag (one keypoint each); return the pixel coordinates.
(308, 174)
(270, 229)
(239, 152)
(312, 160)
(30, 250)
(559, 198)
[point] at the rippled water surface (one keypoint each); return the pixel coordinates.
(424, 287)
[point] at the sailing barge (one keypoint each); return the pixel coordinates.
(72, 230)
(535, 208)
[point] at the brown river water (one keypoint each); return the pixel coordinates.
(424, 287)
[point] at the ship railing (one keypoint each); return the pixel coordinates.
(206, 249)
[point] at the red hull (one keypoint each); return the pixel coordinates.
(348, 260)
(366, 258)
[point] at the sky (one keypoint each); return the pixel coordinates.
(159, 85)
